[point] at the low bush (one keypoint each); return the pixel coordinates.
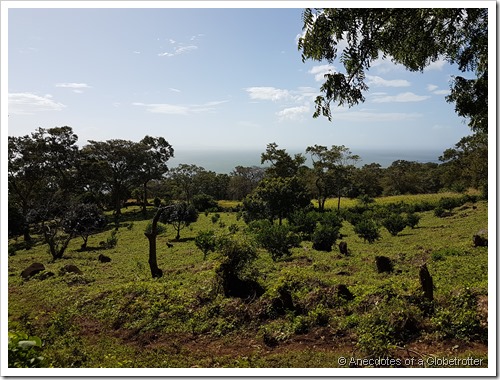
(324, 237)
(394, 223)
(368, 230)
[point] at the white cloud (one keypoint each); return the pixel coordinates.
(77, 87)
(434, 89)
(178, 50)
(363, 116)
(174, 109)
(293, 113)
(400, 98)
(26, 103)
(267, 93)
(381, 82)
(73, 85)
(174, 89)
(437, 65)
(320, 71)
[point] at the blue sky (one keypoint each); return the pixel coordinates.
(222, 79)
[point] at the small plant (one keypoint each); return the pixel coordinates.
(112, 240)
(24, 351)
(324, 237)
(276, 239)
(206, 241)
(368, 230)
(459, 318)
(412, 219)
(394, 223)
(215, 218)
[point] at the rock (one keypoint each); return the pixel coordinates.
(343, 248)
(70, 268)
(426, 282)
(46, 275)
(344, 292)
(384, 264)
(480, 241)
(32, 270)
(104, 259)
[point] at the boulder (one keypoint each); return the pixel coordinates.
(32, 270)
(384, 264)
(480, 241)
(104, 259)
(70, 268)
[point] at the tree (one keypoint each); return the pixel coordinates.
(243, 180)
(183, 176)
(466, 165)
(276, 198)
(282, 164)
(206, 241)
(151, 233)
(334, 170)
(156, 151)
(367, 181)
(179, 215)
(39, 166)
(114, 164)
(411, 37)
(84, 220)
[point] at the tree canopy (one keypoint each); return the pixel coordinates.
(412, 37)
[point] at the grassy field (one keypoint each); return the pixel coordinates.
(115, 315)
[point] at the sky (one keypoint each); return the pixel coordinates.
(208, 79)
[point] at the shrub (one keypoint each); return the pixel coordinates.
(324, 237)
(235, 257)
(215, 218)
(368, 230)
(206, 241)
(394, 223)
(395, 322)
(204, 202)
(303, 222)
(112, 240)
(276, 239)
(24, 351)
(459, 318)
(412, 219)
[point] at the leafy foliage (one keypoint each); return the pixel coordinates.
(368, 230)
(179, 215)
(276, 239)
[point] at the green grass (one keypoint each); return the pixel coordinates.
(115, 315)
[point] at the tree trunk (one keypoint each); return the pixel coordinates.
(153, 265)
(145, 199)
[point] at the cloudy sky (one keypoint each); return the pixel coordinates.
(207, 78)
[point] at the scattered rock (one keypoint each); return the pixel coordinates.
(426, 282)
(104, 259)
(70, 268)
(344, 292)
(32, 270)
(384, 264)
(46, 275)
(480, 241)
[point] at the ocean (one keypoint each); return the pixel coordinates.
(225, 160)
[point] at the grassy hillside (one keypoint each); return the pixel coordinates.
(115, 315)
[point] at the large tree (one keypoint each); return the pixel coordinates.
(155, 153)
(333, 169)
(40, 166)
(411, 37)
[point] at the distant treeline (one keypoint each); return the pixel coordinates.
(47, 170)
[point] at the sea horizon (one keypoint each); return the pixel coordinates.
(223, 161)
